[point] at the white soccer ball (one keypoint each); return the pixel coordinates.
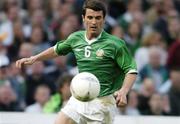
(85, 86)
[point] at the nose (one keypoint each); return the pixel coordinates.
(94, 21)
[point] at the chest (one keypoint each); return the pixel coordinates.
(98, 51)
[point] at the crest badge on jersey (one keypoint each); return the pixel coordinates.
(100, 53)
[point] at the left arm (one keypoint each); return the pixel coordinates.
(128, 65)
(121, 94)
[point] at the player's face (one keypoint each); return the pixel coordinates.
(94, 22)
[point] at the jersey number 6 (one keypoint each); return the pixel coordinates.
(87, 51)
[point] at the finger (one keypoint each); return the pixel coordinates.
(21, 62)
(121, 104)
(18, 64)
(118, 100)
(28, 62)
(118, 97)
(115, 94)
(123, 101)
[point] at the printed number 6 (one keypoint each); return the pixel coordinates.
(87, 51)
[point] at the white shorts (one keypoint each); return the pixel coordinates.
(98, 111)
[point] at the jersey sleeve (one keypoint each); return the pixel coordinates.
(63, 47)
(124, 59)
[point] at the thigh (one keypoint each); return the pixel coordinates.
(102, 115)
(63, 119)
(102, 110)
(71, 110)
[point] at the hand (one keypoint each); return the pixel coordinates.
(121, 98)
(25, 61)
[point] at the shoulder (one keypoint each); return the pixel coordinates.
(117, 42)
(33, 108)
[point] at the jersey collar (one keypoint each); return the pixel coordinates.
(92, 40)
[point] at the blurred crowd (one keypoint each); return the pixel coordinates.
(150, 28)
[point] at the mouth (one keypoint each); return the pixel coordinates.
(93, 28)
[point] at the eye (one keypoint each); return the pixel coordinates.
(89, 17)
(98, 17)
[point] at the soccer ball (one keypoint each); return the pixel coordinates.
(85, 86)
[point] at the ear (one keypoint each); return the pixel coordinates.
(83, 18)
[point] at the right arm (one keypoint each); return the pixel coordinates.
(45, 55)
(61, 48)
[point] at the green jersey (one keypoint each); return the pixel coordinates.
(106, 57)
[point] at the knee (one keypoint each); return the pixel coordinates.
(63, 119)
(59, 119)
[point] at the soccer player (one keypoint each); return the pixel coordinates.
(101, 54)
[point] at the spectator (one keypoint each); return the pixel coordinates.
(33, 5)
(173, 28)
(132, 37)
(25, 50)
(161, 24)
(174, 93)
(8, 99)
(58, 100)
(155, 10)
(9, 75)
(133, 7)
(13, 12)
(151, 39)
(53, 9)
(38, 39)
(117, 31)
(166, 103)
(174, 54)
(41, 96)
(4, 63)
(66, 28)
(35, 78)
(146, 91)
(3, 49)
(18, 84)
(19, 38)
(154, 69)
(6, 33)
(58, 68)
(131, 108)
(155, 105)
(38, 19)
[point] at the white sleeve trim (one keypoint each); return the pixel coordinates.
(132, 71)
(55, 47)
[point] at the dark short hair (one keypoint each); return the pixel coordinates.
(96, 5)
(63, 79)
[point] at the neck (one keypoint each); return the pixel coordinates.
(91, 36)
(156, 111)
(65, 97)
(41, 104)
